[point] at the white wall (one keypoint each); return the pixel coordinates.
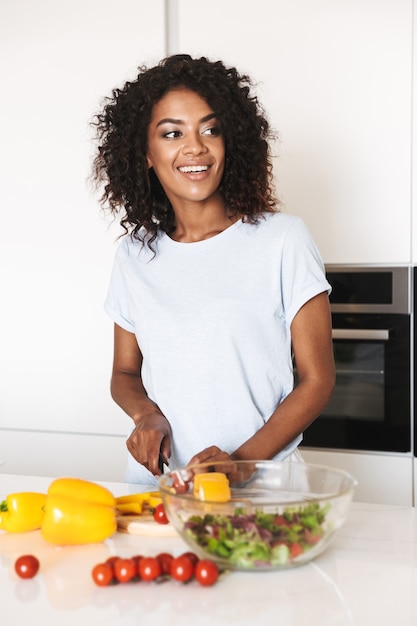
(58, 60)
(335, 77)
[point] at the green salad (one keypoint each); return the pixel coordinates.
(259, 539)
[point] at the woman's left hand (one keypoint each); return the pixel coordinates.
(213, 455)
(210, 454)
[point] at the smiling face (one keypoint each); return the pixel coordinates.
(186, 148)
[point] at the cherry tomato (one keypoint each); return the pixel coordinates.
(136, 559)
(102, 574)
(165, 559)
(179, 486)
(26, 566)
(192, 556)
(159, 514)
(111, 561)
(149, 568)
(206, 572)
(295, 550)
(124, 570)
(182, 568)
(311, 537)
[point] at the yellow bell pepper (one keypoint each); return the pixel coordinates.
(212, 486)
(22, 512)
(130, 507)
(78, 512)
(138, 503)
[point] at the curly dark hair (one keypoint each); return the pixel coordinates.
(133, 191)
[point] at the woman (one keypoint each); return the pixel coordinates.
(213, 288)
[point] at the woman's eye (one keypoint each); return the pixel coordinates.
(172, 134)
(213, 131)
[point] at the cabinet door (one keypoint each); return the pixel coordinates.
(335, 78)
(59, 61)
(382, 478)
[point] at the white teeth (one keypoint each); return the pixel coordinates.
(188, 169)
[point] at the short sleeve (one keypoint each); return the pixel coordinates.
(303, 274)
(117, 301)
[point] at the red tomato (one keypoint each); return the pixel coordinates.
(192, 556)
(179, 486)
(295, 550)
(159, 514)
(182, 568)
(26, 566)
(111, 561)
(281, 521)
(165, 559)
(124, 570)
(149, 568)
(309, 537)
(206, 572)
(136, 560)
(102, 574)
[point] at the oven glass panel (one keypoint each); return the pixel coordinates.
(360, 287)
(371, 404)
(360, 381)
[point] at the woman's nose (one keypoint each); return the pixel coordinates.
(194, 144)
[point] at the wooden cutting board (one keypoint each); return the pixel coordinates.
(144, 525)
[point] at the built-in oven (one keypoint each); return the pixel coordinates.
(371, 407)
(414, 364)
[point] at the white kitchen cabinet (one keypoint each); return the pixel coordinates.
(54, 454)
(382, 478)
(335, 78)
(59, 61)
(415, 480)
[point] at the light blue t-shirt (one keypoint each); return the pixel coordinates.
(212, 319)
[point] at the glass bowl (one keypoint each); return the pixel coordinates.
(274, 515)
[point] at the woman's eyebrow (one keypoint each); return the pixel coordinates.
(172, 120)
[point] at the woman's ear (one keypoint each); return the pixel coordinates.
(149, 162)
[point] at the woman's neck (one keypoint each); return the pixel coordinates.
(193, 224)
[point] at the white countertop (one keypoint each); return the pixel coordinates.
(367, 577)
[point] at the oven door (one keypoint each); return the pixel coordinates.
(371, 406)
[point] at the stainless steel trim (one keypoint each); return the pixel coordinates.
(361, 334)
(401, 289)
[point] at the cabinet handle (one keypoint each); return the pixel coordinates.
(360, 333)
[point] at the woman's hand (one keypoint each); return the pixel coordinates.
(150, 440)
(210, 454)
(236, 473)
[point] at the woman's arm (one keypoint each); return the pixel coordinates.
(152, 433)
(313, 353)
